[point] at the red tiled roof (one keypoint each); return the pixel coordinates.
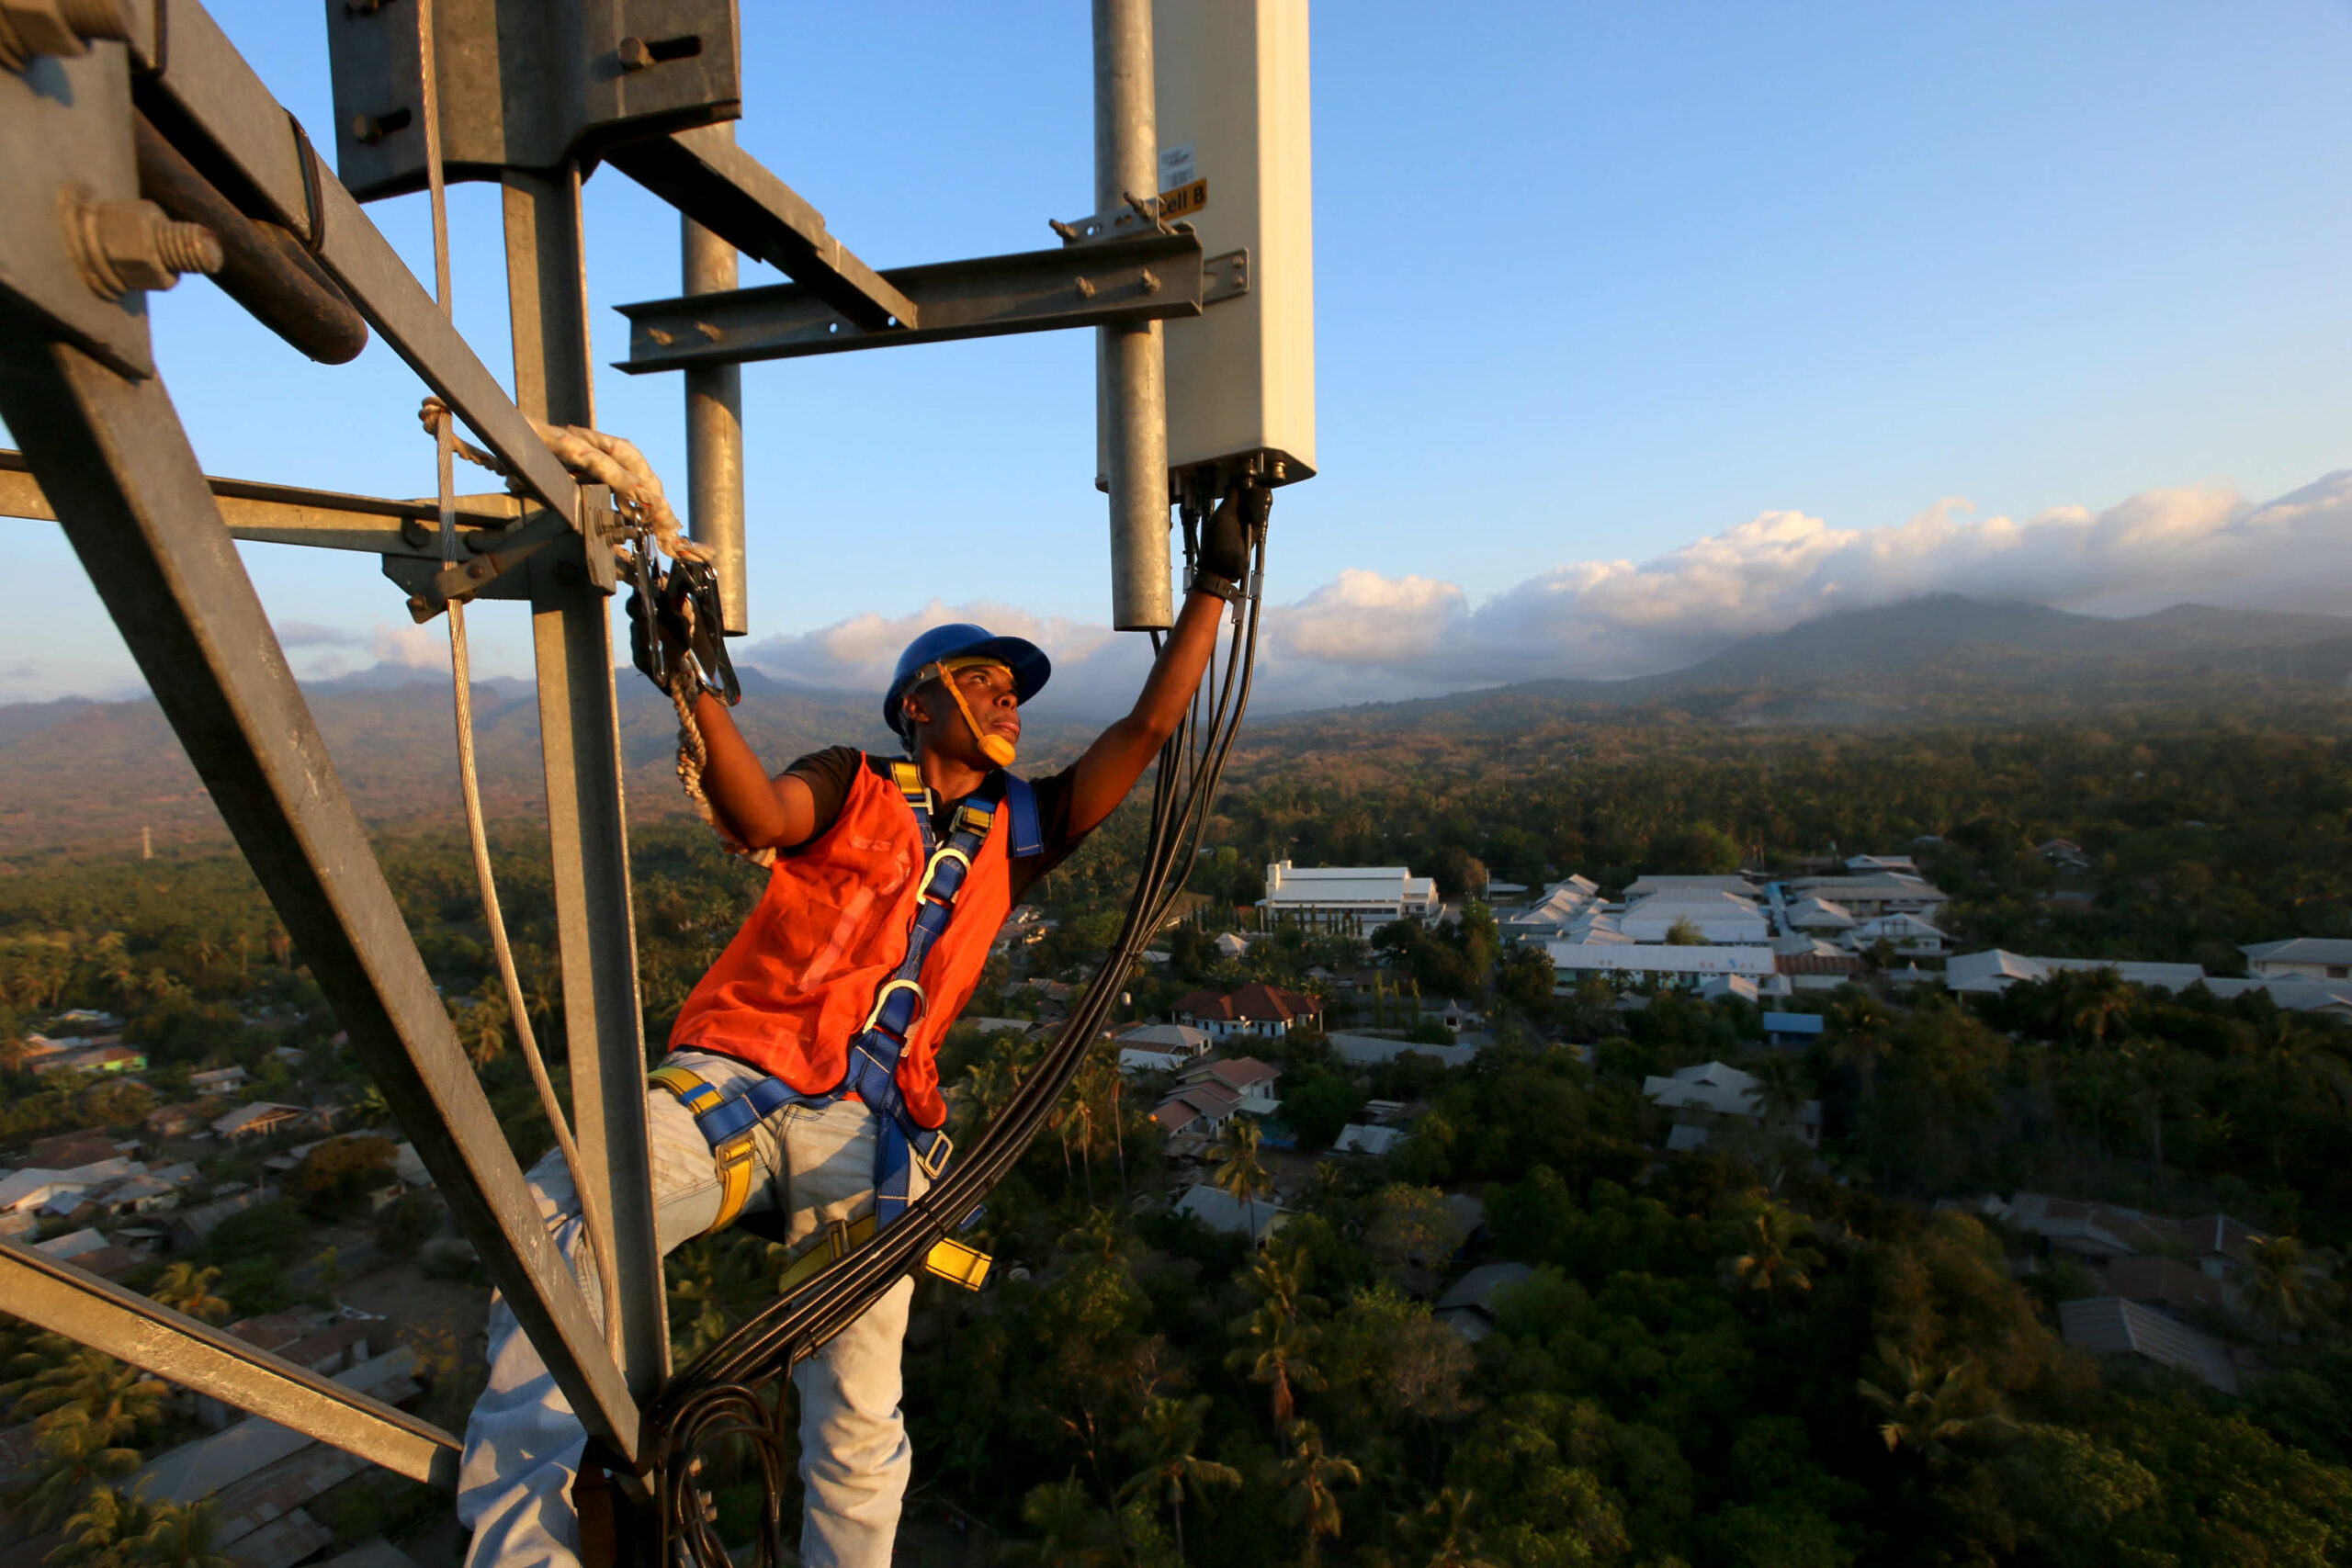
(1238, 1073)
(1816, 964)
(1212, 1100)
(1255, 1002)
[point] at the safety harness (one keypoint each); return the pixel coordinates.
(727, 1121)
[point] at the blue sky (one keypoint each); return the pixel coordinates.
(1639, 328)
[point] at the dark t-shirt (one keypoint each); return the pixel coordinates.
(829, 774)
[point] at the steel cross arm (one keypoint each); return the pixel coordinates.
(185, 67)
(290, 515)
(114, 459)
(1149, 278)
(101, 1314)
(705, 175)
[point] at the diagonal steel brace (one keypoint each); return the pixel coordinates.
(112, 457)
(101, 1314)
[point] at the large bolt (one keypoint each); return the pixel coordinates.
(126, 244)
(65, 28)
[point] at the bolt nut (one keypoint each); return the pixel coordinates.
(634, 52)
(64, 28)
(125, 244)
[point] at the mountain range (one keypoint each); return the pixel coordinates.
(79, 776)
(1939, 658)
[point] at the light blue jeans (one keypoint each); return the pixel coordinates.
(523, 1443)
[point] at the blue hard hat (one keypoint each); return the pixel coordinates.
(961, 639)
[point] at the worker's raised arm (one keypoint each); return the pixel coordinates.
(758, 812)
(1102, 778)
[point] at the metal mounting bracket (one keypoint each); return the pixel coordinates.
(1150, 278)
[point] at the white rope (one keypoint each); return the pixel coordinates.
(595, 1215)
(637, 490)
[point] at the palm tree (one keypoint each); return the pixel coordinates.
(188, 1289)
(1864, 1038)
(107, 1531)
(483, 1028)
(1241, 1172)
(1164, 1441)
(1933, 1409)
(1279, 1278)
(183, 1536)
(1780, 1089)
(70, 1451)
(115, 1399)
(1444, 1521)
(2283, 1288)
(1778, 1257)
(1101, 1233)
(1071, 1530)
(1308, 1475)
(2100, 998)
(1276, 1355)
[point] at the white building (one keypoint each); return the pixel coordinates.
(1995, 971)
(1548, 919)
(1643, 886)
(1718, 916)
(1908, 934)
(1877, 893)
(1218, 1210)
(1572, 962)
(1863, 866)
(2299, 958)
(1819, 917)
(1161, 1048)
(1712, 1090)
(1348, 897)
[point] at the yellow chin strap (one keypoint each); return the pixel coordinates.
(994, 746)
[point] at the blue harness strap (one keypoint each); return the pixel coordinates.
(1023, 836)
(900, 1142)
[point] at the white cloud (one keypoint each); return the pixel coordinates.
(1365, 636)
(1095, 669)
(418, 647)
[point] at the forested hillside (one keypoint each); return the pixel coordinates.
(1758, 1353)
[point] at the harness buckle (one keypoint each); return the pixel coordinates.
(943, 1149)
(930, 872)
(882, 999)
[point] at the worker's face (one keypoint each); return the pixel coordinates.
(987, 690)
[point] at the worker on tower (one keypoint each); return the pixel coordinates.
(801, 1086)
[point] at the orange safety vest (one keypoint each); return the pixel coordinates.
(794, 986)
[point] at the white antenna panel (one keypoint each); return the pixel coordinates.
(1236, 162)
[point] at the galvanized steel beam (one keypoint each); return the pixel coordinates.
(196, 87)
(1130, 364)
(291, 515)
(705, 175)
(1144, 279)
(113, 458)
(98, 1313)
(714, 436)
(580, 740)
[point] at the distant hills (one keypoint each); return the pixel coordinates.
(78, 774)
(1938, 659)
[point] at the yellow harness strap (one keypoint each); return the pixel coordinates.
(949, 1260)
(731, 1160)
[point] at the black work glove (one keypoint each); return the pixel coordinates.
(1225, 543)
